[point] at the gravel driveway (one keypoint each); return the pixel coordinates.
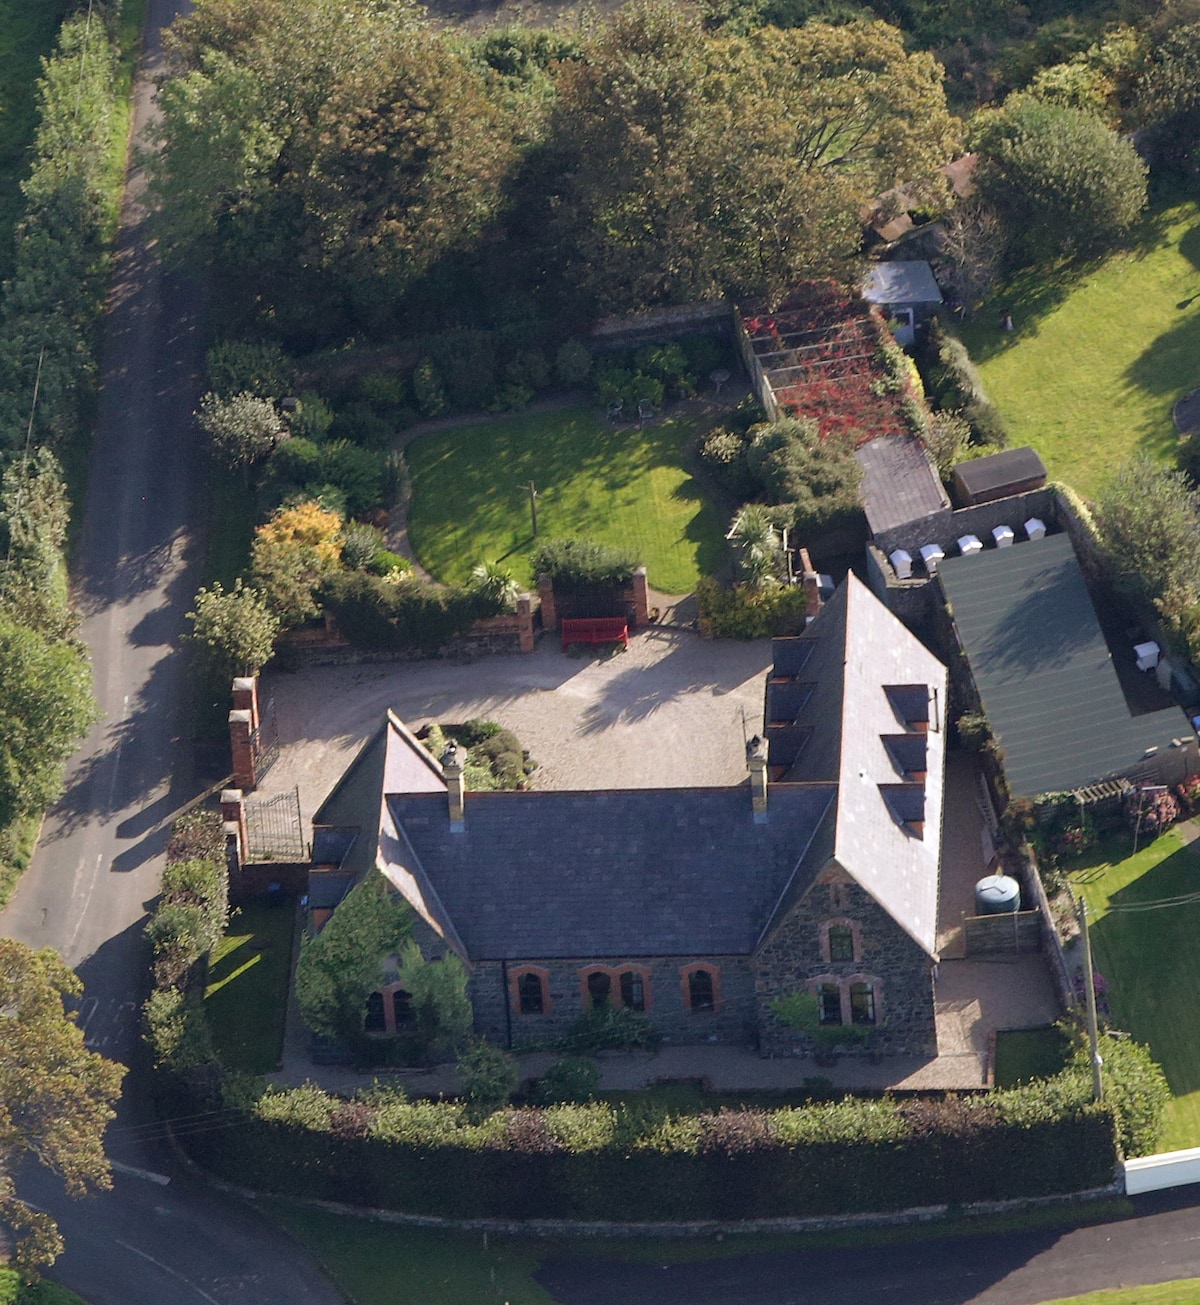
(672, 711)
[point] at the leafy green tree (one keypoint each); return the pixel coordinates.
(439, 995)
(1058, 177)
(34, 515)
(756, 541)
(339, 968)
(243, 429)
(46, 707)
(1149, 523)
(57, 1096)
(233, 633)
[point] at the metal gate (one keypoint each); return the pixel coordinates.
(264, 742)
(273, 828)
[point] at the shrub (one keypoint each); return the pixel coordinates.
(253, 366)
(511, 398)
(290, 556)
(529, 370)
(749, 611)
(396, 483)
(312, 418)
(356, 472)
(669, 365)
(465, 363)
(572, 364)
(428, 389)
(197, 836)
(818, 478)
(606, 1028)
(232, 633)
(571, 1079)
(361, 544)
(361, 424)
(581, 565)
(386, 563)
(723, 456)
(489, 1076)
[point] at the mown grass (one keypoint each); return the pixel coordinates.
(1100, 354)
(623, 486)
(246, 996)
(386, 1264)
(1150, 960)
(1025, 1054)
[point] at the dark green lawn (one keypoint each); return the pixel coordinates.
(619, 485)
(1099, 354)
(247, 988)
(1151, 962)
(1026, 1054)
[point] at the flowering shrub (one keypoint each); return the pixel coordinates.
(1151, 812)
(1189, 794)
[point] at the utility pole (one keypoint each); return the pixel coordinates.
(533, 495)
(1089, 985)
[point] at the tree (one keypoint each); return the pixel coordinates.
(56, 1096)
(974, 242)
(243, 429)
(34, 515)
(1149, 523)
(1058, 177)
(756, 540)
(233, 633)
(339, 968)
(1167, 101)
(291, 554)
(46, 707)
(439, 996)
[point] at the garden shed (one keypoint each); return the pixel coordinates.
(906, 290)
(984, 480)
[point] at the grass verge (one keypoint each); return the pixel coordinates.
(1150, 960)
(17, 842)
(14, 1292)
(1099, 355)
(380, 1264)
(1184, 1292)
(246, 997)
(623, 486)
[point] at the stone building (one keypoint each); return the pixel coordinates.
(698, 907)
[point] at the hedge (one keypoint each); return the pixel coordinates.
(373, 612)
(583, 566)
(597, 1161)
(747, 612)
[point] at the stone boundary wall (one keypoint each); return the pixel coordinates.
(612, 333)
(1053, 946)
(1014, 933)
(945, 528)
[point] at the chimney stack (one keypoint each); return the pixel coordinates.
(811, 582)
(756, 762)
(452, 772)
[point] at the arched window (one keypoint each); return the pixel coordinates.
(829, 1003)
(633, 990)
(701, 992)
(599, 989)
(374, 1020)
(530, 997)
(841, 942)
(402, 1007)
(862, 1003)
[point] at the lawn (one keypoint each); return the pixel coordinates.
(1098, 358)
(389, 1264)
(1184, 1292)
(1026, 1054)
(247, 988)
(1151, 962)
(618, 485)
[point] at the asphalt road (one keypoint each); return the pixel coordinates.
(99, 859)
(1160, 1243)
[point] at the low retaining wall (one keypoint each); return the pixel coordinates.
(1156, 1173)
(713, 317)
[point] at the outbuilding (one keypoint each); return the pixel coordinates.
(907, 291)
(1000, 475)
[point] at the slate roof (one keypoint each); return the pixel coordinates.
(1043, 670)
(899, 484)
(638, 872)
(876, 706)
(904, 281)
(998, 470)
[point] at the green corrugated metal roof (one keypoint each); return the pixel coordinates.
(1043, 670)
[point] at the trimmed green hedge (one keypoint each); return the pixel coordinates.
(373, 612)
(597, 1161)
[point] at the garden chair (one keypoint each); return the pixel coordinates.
(615, 410)
(645, 410)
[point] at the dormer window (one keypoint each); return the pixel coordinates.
(906, 803)
(908, 754)
(910, 702)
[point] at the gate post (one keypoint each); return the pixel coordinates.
(241, 745)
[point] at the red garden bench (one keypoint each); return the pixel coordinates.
(595, 630)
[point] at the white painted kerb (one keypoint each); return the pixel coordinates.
(1153, 1173)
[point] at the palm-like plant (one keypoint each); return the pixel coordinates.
(756, 540)
(497, 583)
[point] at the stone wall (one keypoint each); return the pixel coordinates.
(631, 601)
(498, 1017)
(793, 958)
(711, 318)
(945, 528)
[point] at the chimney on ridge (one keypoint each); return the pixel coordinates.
(756, 763)
(452, 772)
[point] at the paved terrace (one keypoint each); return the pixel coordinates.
(673, 710)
